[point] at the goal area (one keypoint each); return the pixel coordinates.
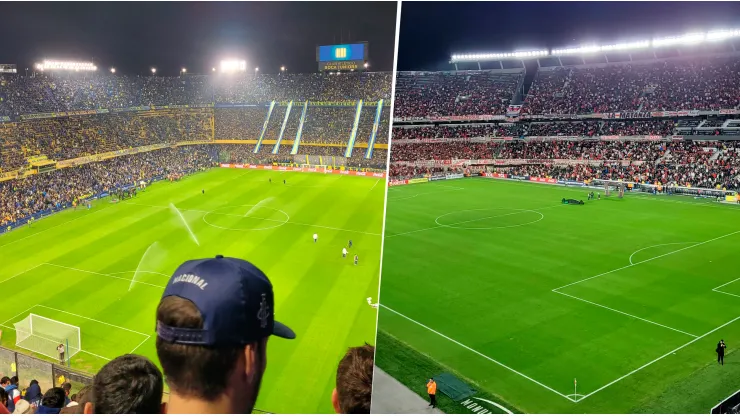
(43, 335)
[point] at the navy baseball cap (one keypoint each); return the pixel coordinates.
(235, 300)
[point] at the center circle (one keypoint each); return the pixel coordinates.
(251, 213)
(530, 217)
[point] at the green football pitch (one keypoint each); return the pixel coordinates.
(80, 268)
(615, 306)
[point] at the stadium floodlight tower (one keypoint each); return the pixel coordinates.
(65, 66)
(230, 66)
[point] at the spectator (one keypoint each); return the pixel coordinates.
(83, 397)
(4, 402)
(213, 323)
(130, 384)
(33, 394)
(23, 408)
(53, 401)
(353, 392)
(10, 385)
(67, 389)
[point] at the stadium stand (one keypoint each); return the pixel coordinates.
(67, 138)
(642, 121)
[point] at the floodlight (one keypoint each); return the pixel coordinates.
(184, 70)
(687, 39)
(214, 69)
(366, 65)
(154, 70)
(113, 70)
(66, 66)
(282, 68)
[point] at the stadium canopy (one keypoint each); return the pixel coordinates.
(688, 39)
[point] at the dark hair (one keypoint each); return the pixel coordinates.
(3, 397)
(355, 380)
(14, 380)
(128, 384)
(193, 370)
(33, 382)
(67, 387)
(4, 380)
(54, 398)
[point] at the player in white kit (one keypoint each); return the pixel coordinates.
(344, 252)
(315, 238)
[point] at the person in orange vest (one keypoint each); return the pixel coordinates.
(432, 390)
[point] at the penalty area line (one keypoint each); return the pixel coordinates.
(478, 353)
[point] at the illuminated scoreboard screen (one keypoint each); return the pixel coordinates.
(342, 57)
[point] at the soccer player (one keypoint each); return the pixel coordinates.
(344, 252)
(370, 302)
(30, 221)
(350, 243)
(356, 259)
(721, 352)
(203, 191)
(599, 195)
(284, 182)
(270, 179)
(315, 238)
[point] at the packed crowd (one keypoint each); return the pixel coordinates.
(207, 376)
(435, 94)
(687, 84)
(42, 93)
(706, 164)
(21, 198)
(72, 137)
(327, 125)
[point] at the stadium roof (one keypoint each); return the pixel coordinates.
(681, 40)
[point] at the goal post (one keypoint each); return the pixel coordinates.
(43, 335)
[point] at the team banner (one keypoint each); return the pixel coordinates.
(455, 176)
(130, 109)
(108, 155)
(437, 178)
(302, 169)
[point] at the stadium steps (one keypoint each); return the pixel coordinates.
(264, 127)
(299, 132)
(717, 153)
(282, 128)
(376, 124)
(355, 127)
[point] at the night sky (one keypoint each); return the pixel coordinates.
(431, 32)
(133, 37)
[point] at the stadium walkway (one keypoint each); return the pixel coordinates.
(392, 397)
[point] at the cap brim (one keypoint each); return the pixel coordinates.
(283, 331)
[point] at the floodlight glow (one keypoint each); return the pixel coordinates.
(687, 39)
(477, 57)
(184, 70)
(66, 66)
(113, 70)
(366, 65)
(282, 68)
(718, 35)
(154, 70)
(214, 69)
(233, 65)
(257, 69)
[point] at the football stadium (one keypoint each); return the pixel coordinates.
(109, 182)
(564, 241)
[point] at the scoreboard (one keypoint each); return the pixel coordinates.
(345, 57)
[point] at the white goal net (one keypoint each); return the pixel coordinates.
(43, 336)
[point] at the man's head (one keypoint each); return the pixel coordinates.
(4, 382)
(128, 384)
(54, 398)
(353, 393)
(14, 381)
(67, 388)
(213, 323)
